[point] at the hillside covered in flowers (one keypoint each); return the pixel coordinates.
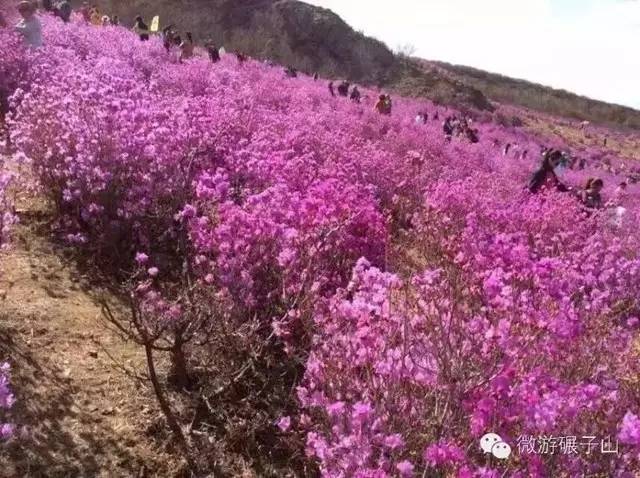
(380, 296)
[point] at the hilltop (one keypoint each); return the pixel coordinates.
(538, 97)
(315, 39)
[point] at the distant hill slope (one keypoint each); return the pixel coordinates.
(540, 98)
(315, 39)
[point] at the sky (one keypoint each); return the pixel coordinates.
(589, 47)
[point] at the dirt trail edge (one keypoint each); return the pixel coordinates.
(83, 413)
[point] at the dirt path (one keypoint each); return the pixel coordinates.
(84, 415)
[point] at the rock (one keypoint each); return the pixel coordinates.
(93, 354)
(53, 293)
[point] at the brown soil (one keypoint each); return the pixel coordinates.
(82, 394)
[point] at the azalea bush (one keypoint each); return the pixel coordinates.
(510, 329)
(408, 288)
(7, 219)
(12, 67)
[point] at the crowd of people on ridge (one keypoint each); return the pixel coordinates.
(343, 90)
(546, 176)
(454, 126)
(31, 29)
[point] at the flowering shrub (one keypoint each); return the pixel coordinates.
(6, 401)
(508, 334)
(431, 299)
(7, 219)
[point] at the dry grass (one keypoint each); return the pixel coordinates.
(83, 414)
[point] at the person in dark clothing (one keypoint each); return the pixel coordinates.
(315, 76)
(507, 147)
(214, 53)
(241, 58)
(388, 105)
(355, 94)
(472, 135)
(546, 173)
(168, 37)
(141, 29)
(343, 88)
(63, 11)
(447, 128)
(115, 20)
(291, 72)
(582, 163)
(331, 90)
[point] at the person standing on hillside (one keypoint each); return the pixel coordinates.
(214, 53)
(95, 18)
(291, 72)
(331, 90)
(355, 95)
(383, 105)
(29, 27)
(387, 105)
(472, 135)
(422, 117)
(546, 173)
(64, 11)
(343, 88)
(115, 20)
(591, 197)
(167, 36)
(619, 195)
(85, 11)
(447, 128)
(187, 47)
(141, 29)
(379, 106)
